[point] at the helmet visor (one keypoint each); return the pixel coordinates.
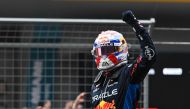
(105, 50)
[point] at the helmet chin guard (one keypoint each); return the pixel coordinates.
(110, 50)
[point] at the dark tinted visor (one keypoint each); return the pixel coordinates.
(105, 50)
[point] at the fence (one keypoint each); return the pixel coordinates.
(50, 59)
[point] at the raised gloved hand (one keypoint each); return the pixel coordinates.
(129, 18)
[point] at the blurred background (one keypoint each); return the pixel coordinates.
(52, 60)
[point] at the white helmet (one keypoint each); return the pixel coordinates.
(110, 50)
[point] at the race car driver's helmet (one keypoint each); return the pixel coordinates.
(110, 50)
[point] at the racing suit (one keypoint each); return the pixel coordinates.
(120, 87)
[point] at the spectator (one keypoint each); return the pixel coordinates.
(72, 104)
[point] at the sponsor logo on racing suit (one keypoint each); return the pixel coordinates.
(106, 105)
(105, 95)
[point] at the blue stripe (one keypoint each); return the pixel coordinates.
(131, 96)
(115, 41)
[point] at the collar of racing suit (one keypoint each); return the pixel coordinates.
(113, 74)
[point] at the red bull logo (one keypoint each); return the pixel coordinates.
(106, 105)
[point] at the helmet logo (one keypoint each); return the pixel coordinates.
(107, 44)
(105, 64)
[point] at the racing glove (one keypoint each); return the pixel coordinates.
(129, 18)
